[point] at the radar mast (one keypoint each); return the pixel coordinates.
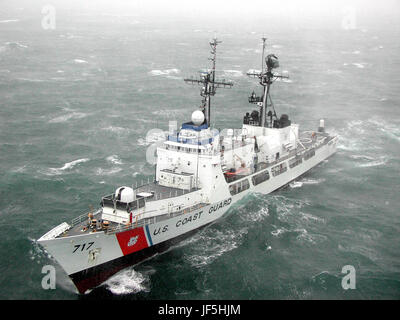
(209, 83)
(267, 77)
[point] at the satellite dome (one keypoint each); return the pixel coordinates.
(124, 194)
(197, 117)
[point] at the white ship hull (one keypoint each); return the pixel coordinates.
(91, 258)
(199, 175)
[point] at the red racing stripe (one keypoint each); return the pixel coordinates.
(132, 240)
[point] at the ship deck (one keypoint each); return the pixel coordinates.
(81, 225)
(308, 141)
(162, 192)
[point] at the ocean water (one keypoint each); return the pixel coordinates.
(77, 104)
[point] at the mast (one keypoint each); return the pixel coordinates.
(263, 107)
(209, 83)
(267, 77)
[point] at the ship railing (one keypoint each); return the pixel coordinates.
(151, 220)
(79, 219)
(298, 152)
(192, 150)
(189, 140)
(150, 180)
(138, 184)
(235, 145)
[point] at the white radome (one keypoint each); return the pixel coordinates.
(127, 194)
(197, 117)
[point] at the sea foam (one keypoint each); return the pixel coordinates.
(66, 117)
(114, 159)
(65, 167)
(164, 72)
(128, 281)
(80, 61)
(8, 21)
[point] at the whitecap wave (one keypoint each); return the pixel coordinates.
(166, 112)
(278, 232)
(309, 216)
(295, 184)
(80, 61)
(256, 216)
(333, 71)
(233, 73)
(174, 77)
(19, 169)
(359, 65)
(253, 71)
(107, 172)
(164, 72)
(286, 208)
(67, 166)
(114, 159)
(31, 80)
(304, 236)
(36, 253)
(57, 78)
(70, 165)
(362, 157)
(379, 162)
(251, 50)
(69, 36)
(117, 130)
(312, 181)
(66, 117)
(352, 137)
(15, 45)
(366, 251)
(388, 129)
(213, 244)
(127, 282)
(348, 144)
(9, 20)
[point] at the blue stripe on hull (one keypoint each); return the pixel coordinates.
(148, 235)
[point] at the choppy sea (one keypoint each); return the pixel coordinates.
(77, 104)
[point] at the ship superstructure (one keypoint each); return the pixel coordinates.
(200, 174)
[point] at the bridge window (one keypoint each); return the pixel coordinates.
(141, 203)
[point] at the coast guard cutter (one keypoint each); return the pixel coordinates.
(200, 174)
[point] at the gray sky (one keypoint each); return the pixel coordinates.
(222, 8)
(229, 12)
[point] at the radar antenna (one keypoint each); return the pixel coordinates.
(210, 84)
(267, 77)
